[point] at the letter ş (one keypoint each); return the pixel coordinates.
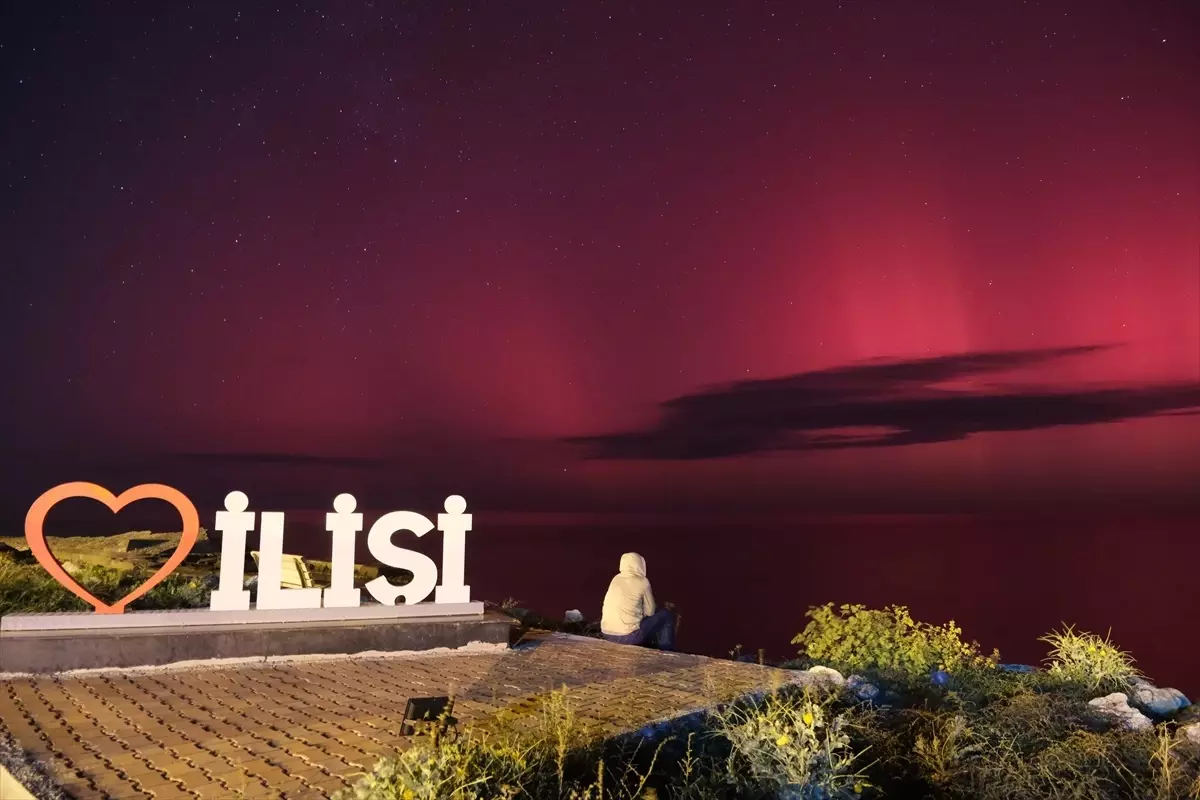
(343, 524)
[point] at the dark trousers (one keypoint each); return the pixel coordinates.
(656, 630)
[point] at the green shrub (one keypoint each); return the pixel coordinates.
(1087, 660)
(546, 753)
(469, 767)
(791, 745)
(855, 638)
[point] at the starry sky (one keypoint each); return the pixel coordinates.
(605, 256)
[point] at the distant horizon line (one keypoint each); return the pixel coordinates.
(308, 515)
(625, 518)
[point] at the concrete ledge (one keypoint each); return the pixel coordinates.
(88, 620)
(46, 652)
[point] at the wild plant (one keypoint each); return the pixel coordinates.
(786, 744)
(1087, 660)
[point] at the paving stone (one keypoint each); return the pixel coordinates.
(171, 791)
(211, 791)
(304, 729)
(84, 791)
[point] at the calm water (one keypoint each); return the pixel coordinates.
(1005, 582)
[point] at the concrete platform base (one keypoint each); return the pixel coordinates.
(46, 652)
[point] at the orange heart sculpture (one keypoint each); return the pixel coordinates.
(36, 536)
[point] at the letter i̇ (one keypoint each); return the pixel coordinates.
(343, 525)
(454, 525)
(234, 523)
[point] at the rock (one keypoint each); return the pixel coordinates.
(794, 791)
(1189, 733)
(1188, 715)
(574, 615)
(1156, 702)
(862, 688)
(16, 555)
(826, 676)
(654, 731)
(1023, 669)
(1116, 707)
(679, 726)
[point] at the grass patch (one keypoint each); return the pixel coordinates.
(962, 728)
(1087, 660)
(786, 742)
(27, 588)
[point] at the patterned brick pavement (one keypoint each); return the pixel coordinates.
(305, 728)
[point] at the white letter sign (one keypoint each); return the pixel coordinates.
(294, 601)
(233, 523)
(343, 524)
(454, 525)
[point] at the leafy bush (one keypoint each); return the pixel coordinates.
(855, 638)
(469, 767)
(786, 747)
(1087, 660)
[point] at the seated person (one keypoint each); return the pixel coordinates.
(629, 615)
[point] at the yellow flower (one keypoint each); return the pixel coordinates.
(808, 718)
(782, 740)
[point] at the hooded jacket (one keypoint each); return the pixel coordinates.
(629, 599)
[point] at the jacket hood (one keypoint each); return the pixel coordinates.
(633, 564)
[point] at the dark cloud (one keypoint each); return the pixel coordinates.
(878, 404)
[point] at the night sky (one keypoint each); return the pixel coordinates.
(617, 256)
